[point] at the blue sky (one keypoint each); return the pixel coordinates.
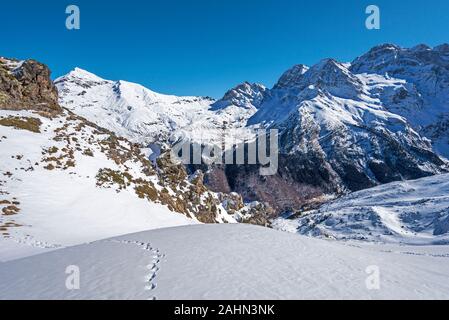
(204, 47)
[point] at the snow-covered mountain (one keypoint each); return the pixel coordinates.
(246, 96)
(338, 133)
(335, 131)
(234, 262)
(412, 212)
(423, 94)
(144, 116)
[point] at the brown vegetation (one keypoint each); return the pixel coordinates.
(10, 210)
(22, 123)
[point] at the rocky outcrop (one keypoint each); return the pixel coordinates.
(292, 77)
(26, 85)
(246, 95)
(258, 213)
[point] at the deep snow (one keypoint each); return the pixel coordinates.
(229, 262)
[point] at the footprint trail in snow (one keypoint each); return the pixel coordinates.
(153, 267)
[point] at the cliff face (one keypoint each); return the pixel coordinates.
(26, 85)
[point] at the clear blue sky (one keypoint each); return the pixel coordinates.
(204, 47)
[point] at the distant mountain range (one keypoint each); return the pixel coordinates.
(343, 126)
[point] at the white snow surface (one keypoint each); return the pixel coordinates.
(229, 262)
(411, 212)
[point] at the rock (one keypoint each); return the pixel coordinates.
(258, 213)
(26, 85)
(232, 202)
(246, 95)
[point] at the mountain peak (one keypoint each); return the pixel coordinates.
(329, 65)
(385, 47)
(292, 76)
(10, 63)
(444, 47)
(82, 74)
(406, 63)
(421, 47)
(334, 77)
(246, 95)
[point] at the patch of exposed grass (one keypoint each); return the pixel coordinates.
(3, 97)
(49, 167)
(146, 190)
(111, 177)
(5, 227)
(30, 124)
(88, 153)
(69, 164)
(10, 210)
(53, 150)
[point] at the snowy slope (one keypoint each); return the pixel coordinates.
(50, 186)
(412, 212)
(228, 262)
